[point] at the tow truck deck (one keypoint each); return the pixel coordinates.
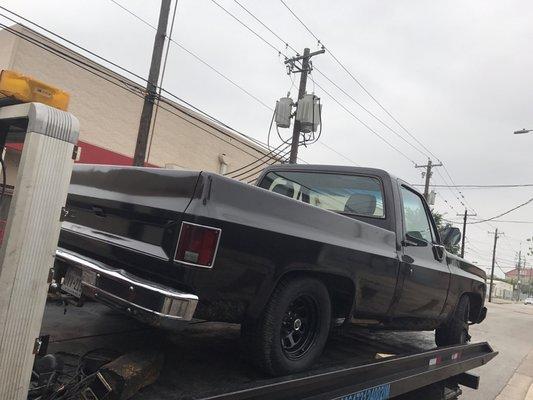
(205, 360)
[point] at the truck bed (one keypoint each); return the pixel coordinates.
(205, 359)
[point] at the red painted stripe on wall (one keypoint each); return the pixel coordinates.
(92, 154)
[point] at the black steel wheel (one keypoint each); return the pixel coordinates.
(299, 327)
(455, 331)
(292, 331)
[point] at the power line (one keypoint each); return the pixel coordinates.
(352, 76)
(504, 213)
(292, 48)
(117, 66)
(450, 206)
(288, 45)
(454, 184)
(503, 221)
(111, 78)
(133, 14)
(494, 186)
(302, 23)
(67, 41)
(258, 169)
(339, 154)
(355, 79)
(251, 30)
(382, 107)
(115, 80)
(364, 123)
(369, 112)
(246, 168)
(198, 58)
(450, 188)
(127, 86)
(244, 178)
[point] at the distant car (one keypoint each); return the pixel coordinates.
(529, 300)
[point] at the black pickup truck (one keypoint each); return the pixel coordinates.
(309, 248)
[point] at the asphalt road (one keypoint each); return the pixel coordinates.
(509, 330)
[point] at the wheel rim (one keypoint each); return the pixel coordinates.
(299, 327)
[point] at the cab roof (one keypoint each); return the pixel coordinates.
(329, 168)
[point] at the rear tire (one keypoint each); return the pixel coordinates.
(455, 331)
(292, 331)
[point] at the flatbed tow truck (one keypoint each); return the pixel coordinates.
(205, 360)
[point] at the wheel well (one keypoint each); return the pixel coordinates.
(341, 290)
(475, 305)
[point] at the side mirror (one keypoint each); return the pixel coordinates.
(450, 236)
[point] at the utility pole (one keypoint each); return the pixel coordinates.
(429, 166)
(496, 236)
(151, 86)
(304, 71)
(518, 270)
(466, 215)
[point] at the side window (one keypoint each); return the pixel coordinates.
(415, 217)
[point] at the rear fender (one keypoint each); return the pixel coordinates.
(341, 288)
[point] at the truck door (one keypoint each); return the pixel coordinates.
(424, 273)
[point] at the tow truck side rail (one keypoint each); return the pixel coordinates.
(376, 380)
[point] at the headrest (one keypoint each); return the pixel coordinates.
(364, 204)
(285, 190)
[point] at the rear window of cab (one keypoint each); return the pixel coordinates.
(343, 193)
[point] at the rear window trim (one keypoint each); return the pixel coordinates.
(349, 215)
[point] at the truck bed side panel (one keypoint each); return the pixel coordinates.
(130, 219)
(268, 235)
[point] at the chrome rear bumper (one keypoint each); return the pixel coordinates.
(148, 301)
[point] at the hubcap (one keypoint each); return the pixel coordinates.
(299, 327)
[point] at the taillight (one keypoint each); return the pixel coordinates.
(197, 244)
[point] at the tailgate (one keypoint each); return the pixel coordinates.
(135, 209)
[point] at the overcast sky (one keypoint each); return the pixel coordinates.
(458, 75)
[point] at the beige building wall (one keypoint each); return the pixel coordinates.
(8, 44)
(109, 114)
(7, 49)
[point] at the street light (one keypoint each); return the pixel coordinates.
(522, 131)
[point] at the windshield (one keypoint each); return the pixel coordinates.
(347, 194)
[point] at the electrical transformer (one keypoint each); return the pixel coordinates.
(308, 112)
(283, 112)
